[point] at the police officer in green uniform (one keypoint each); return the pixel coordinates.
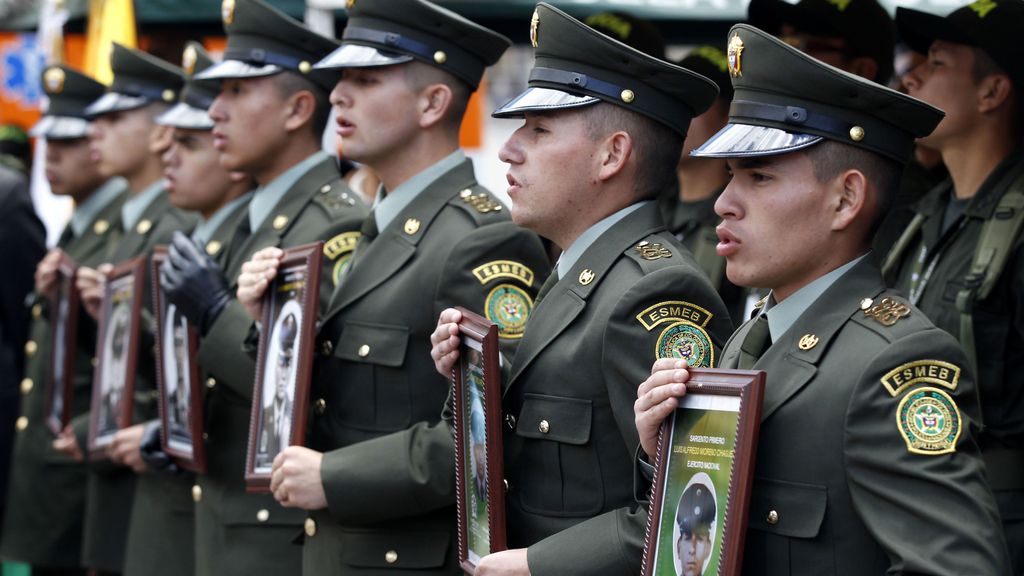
(689, 210)
(961, 259)
(46, 495)
(268, 118)
(868, 460)
(603, 128)
(126, 142)
(435, 239)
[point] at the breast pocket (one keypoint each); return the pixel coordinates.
(560, 474)
(785, 525)
(372, 390)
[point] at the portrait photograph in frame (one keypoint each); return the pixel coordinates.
(703, 474)
(284, 362)
(64, 305)
(479, 459)
(116, 354)
(180, 394)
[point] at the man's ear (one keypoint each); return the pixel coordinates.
(851, 190)
(160, 138)
(994, 91)
(866, 68)
(613, 154)
(299, 109)
(433, 104)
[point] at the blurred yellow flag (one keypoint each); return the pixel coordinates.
(109, 21)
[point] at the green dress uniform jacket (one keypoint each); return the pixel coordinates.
(388, 467)
(633, 296)
(161, 537)
(694, 224)
(238, 533)
(998, 330)
(852, 477)
(111, 489)
(46, 495)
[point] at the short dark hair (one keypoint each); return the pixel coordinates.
(657, 147)
(831, 158)
(289, 83)
(419, 75)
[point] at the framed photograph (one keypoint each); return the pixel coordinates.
(117, 352)
(479, 462)
(64, 304)
(703, 474)
(285, 361)
(178, 384)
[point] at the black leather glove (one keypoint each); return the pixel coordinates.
(194, 283)
(153, 453)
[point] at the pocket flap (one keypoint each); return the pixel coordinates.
(787, 508)
(555, 418)
(395, 550)
(382, 344)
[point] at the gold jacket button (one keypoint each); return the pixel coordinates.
(197, 493)
(391, 556)
(31, 347)
(211, 382)
(321, 405)
(310, 527)
(263, 515)
(26, 385)
(544, 427)
(21, 423)
(773, 517)
(37, 311)
(364, 351)
(326, 348)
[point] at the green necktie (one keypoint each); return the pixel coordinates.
(754, 345)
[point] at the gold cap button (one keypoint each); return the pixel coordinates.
(211, 382)
(856, 133)
(21, 423)
(440, 57)
(26, 385)
(263, 515)
(544, 427)
(197, 493)
(364, 351)
(168, 95)
(310, 527)
(30, 347)
(391, 556)
(773, 517)
(37, 311)
(627, 96)
(305, 67)
(280, 221)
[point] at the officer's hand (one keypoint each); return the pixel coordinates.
(255, 277)
(656, 398)
(194, 283)
(507, 563)
(67, 443)
(151, 451)
(90, 283)
(46, 271)
(444, 342)
(295, 479)
(125, 448)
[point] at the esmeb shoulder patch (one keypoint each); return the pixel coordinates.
(338, 251)
(936, 372)
(685, 336)
(509, 307)
(929, 421)
(508, 269)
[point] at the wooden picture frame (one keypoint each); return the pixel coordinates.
(284, 363)
(180, 391)
(703, 475)
(117, 352)
(60, 380)
(479, 459)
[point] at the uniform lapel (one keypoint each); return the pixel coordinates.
(134, 240)
(790, 368)
(96, 237)
(568, 297)
(388, 253)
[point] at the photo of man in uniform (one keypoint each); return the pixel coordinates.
(60, 345)
(695, 527)
(473, 375)
(114, 370)
(278, 387)
(176, 370)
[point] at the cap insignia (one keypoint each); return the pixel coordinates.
(735, 56)
(349, 4)
(534, 26)
(982, 7)
(227, 11)
(54, 80)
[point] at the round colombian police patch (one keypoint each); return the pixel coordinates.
(509, 307)
(929, 421)
(688, 341)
